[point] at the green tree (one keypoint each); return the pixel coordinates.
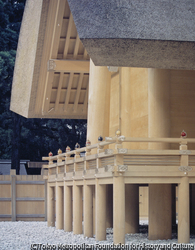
(20, 137)
(7, 59)
(10, 20)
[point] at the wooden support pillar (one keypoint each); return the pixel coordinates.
(13, 193)
(45, 191)
(100, 193)
(88, 210)
(173, 204)
(51, 207)
(118, 210)
(183, 211)
(59, 207)
(98, 103)
(192, 206)
(131, 208)
(160, 198)
(160, 212)
(184, 201)
(67, 208)
(125, 103)
(77, 209)
(159, 106)
(109, 206)
(94, 214)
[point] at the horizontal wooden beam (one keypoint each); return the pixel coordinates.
(30, 199)
(5, 182)
(30, 216)
(5, 199)
(5, 215)
(77, 66)
(30, 182)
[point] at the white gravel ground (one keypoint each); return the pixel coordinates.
(21, 235)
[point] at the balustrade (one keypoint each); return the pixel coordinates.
(104, 160)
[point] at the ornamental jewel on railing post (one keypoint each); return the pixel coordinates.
(88, 143)
(183, 134)
(59, 158)
(100, 148)
(77, 154)
(59, 151)
(118, 133)
(118, 142)
(100, 138)
(88, 151)
(50, 155)
(68, 150)
(77, 146)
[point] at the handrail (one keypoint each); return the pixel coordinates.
(120, 140)
(150, 139)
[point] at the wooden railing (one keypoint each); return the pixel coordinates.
(63, 164)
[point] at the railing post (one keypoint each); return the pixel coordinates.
(13, 193)
(76, 156)
(67, 158)
(118, 142)
(100, 149)
(183, 199)
(88, 151)
(50, 162)
(59, 159)
(45, 189)
(86, 165)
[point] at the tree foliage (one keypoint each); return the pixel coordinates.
(20, 137)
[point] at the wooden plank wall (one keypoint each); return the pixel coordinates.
(143, 203)
(23, 197)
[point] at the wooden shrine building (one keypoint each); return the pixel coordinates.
(128, 67)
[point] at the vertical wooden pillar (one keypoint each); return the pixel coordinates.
(98, 103)
(109, 206)
(88, 210)
(77, 209)
(160, 212)
(100, 194)
(45, 190)
(159, 106)
(160, 220)
(183, 211)
(94, 213)
(192, 206)
(125, 103)
(51, 207)
(67, 208)
(13, 193)
(59, 207)
(131, 208)
(118, 210)
(184, 202)
(173, 204)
